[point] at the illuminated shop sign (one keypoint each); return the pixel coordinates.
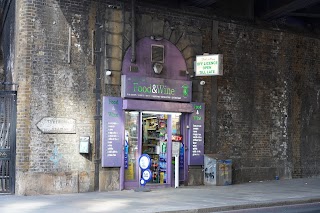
(155, 88)
(177, 138)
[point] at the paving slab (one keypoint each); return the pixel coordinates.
(180, 200)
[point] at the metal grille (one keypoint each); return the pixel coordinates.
(7, 141)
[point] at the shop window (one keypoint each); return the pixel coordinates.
(157, 53)
(131, 145)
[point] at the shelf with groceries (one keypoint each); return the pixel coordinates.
(155, 144)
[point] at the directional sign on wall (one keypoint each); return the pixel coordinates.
(52, 125)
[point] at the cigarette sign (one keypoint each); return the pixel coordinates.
(209, 65)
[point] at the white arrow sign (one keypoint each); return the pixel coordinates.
(51, 125)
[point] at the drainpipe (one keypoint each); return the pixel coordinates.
(133, 33)
(97, 91)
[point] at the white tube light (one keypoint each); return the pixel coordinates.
(166, 113)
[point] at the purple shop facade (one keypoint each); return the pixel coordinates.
(144, 89)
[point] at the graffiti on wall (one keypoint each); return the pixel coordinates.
(55, 157)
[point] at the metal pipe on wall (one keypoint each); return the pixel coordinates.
(122, 173)
(133, 33)
(97, 91)
(69, 45)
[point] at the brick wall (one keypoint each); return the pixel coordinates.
(264, 110)
(307, 89)
(267, 103)
(49, 86)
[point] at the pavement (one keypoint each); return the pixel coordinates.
(186, 199)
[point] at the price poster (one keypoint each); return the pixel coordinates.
(112, 132)
(196, 145)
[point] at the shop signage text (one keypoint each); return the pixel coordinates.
(112, 132)
(209, 65)
(177, 138)
(52, 125)
(197, 135)
(155, 88)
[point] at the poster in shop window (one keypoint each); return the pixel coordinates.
(112, 132)
(196, 145)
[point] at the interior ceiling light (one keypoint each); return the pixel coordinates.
(165, 113)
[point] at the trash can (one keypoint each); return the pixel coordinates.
(217, 170)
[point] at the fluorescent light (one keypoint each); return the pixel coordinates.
(166, 113)
(133, 112)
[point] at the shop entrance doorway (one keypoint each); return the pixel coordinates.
(157, 134)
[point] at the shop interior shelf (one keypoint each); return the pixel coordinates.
(151, 153)
(154, 138)
(149, 145)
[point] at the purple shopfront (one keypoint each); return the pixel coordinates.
(155, 116)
